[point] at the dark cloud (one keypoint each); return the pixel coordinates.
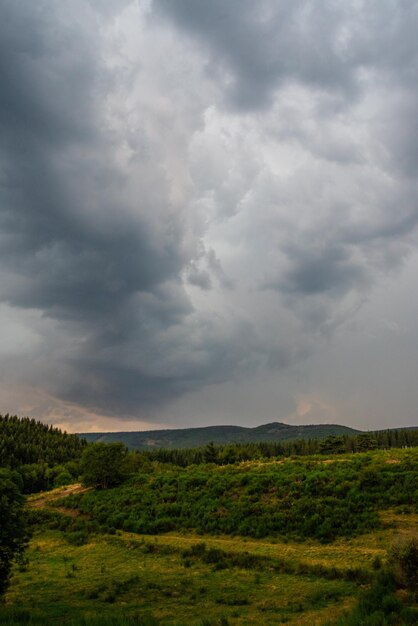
(199, 277)
(192, 191)
(150, 380)
(105, 264)
(67, 231)
(73, 246)
(256, 47)
(325, 270)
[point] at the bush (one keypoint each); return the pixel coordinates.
(403, 560)
(63, 478)
(102, 465)
(379, 606)
(77, 537)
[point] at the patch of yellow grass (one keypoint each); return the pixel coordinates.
(44, 498)
(64, 581)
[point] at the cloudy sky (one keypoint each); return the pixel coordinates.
(209, 212)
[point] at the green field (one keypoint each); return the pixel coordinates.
(153, 577)
(172, 579)
(78, 569)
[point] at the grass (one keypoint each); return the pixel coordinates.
(115, 576)
(357, 552)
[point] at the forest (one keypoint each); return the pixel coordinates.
(94, 531)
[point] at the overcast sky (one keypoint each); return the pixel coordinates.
(209, 212)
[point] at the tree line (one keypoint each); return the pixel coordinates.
(42, 456)
(238, 452)
(24, 441)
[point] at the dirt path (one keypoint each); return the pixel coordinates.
(44, 499)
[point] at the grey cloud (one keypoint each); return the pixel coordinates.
(87, 242)
(129, 373)
(203, 278)
(340, 55)
(72, 248)
(79, 249)
(256, 47)
(325, 270)
(400, 133)
(199, 278)
(263, 145)
(43, 66)
(109, 8)
(216, 267)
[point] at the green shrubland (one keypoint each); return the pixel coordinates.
(312, 497)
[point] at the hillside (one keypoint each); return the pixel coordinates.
(308, 497)
(25, 441)
(296, 540)
(195, 437)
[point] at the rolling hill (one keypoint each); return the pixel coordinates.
(195, 437)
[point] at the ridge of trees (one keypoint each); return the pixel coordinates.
(43, 455)
(13, 529)
(238, 452)
(25, 440)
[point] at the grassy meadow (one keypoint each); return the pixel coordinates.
(168, 581)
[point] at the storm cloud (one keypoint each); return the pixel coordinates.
(196, 197)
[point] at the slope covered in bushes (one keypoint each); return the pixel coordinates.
(303, 497)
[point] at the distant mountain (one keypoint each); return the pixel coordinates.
(195, 437)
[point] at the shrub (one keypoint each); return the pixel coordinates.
(102, 465)
(403, 560)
